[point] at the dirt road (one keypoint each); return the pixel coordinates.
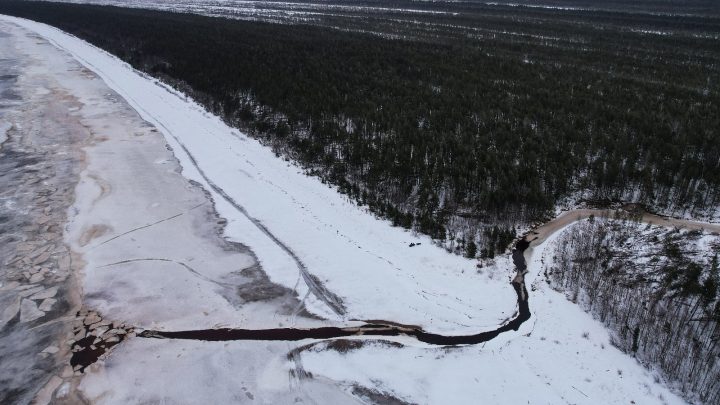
(541, 233)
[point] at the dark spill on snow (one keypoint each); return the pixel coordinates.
(378, 328)
(87, 352)
(96, 342)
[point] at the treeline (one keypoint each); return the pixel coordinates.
(466, 134)
(655, 288)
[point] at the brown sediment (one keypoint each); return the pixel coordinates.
(105, 187)
(92, 233)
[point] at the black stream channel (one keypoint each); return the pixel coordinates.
(377, 328)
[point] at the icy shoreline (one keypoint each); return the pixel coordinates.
(363, 260)
(143, 268)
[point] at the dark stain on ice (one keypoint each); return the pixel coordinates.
(316, 287)
(87, 353)
(260, 288)
(377, 397)
(89, 349)
(377, 328)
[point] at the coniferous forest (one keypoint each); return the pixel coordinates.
(461, 133)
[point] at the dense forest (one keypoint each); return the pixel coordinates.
(656, 289)
(463, 137)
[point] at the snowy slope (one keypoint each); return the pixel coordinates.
(562, 355)
(291, 221)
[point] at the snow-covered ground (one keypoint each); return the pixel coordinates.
(290, 220)
(561, 355)
(291, 223)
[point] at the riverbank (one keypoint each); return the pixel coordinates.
(101, 234)
(293, 222)
(154, 257)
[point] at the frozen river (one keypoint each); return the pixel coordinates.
(153, 215)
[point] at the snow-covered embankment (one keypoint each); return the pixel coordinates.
(288, 219)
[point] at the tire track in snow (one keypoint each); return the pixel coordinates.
(331, 300)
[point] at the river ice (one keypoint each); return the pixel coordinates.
(270, 205)
(155, 257)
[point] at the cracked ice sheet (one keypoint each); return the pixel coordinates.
(548, 361)
(149, 239)
(359, 258)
